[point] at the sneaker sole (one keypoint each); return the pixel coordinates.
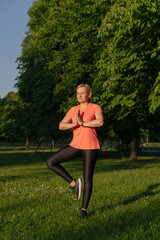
(80, 186)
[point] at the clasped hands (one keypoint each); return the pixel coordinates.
(78, 119)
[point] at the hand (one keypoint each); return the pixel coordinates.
(79, 121)
(76, 121)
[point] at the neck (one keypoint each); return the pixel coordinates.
(84, 104)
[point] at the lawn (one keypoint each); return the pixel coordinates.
(36, 204)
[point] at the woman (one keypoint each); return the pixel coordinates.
(84, 119)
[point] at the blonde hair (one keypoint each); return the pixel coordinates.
(88, 89)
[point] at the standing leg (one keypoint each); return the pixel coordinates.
(60, 156)
(89, 161)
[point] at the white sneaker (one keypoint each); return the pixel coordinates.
(77, 188)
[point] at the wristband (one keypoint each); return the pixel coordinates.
(82, 124)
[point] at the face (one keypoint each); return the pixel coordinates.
(82, 95)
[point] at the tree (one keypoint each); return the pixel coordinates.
(39, 72)
(129, 67)
(11, 116)
(58, 53)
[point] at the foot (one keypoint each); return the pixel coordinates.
(77, 187)
(83, 214)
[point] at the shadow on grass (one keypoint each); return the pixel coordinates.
(101, 166)
(150, 191)
(10, 159)
(106, 161)
(113, 226)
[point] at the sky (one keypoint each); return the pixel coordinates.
(13, 25)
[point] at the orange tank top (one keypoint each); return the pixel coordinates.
(85, 137)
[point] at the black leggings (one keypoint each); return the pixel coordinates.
(89, 158)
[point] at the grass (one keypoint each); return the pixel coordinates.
(36, 204)
(152, 145)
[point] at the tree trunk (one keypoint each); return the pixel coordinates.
(39, 143)
(52, 144)
(147, 136)
(133, 139)
(27, 143)
(119, 144)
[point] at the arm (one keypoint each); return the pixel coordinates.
(66, 124)
(98, 122)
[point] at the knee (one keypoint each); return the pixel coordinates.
(49, 163)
